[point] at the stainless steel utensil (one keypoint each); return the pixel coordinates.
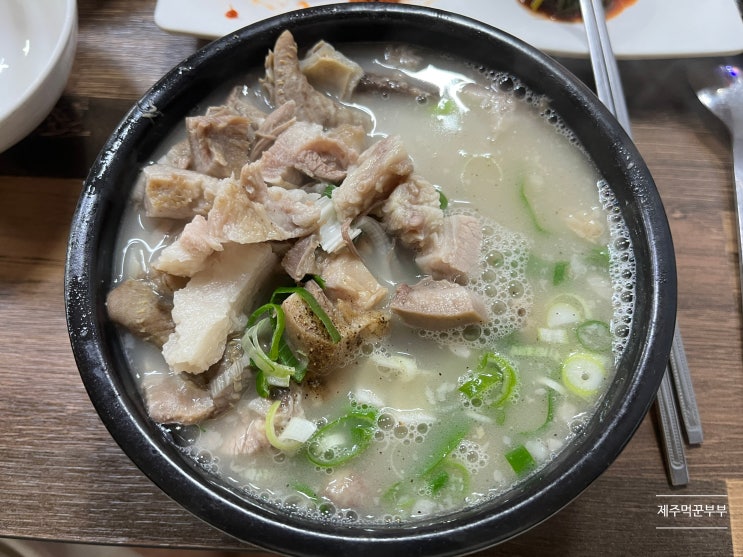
(609, 90)
(721, 91)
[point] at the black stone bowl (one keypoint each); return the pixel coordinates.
(111, 386)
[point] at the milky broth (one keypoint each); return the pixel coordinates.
(552, 239)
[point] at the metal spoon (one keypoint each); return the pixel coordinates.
(721, 91)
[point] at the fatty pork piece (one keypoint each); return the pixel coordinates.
(142, 307)
(304, 151)
(220, 141)
(412, 212)
(244, 213)
(176, 398)
(176, 193)
(307, 335)
(284, 81)
(438, 305)
(209, 308)
(331, 71)
(347, 278)
(453, 252)
(380, 169)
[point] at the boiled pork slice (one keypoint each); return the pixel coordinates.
(453, 253)
(300, 260)
(331, 71)
(304, 151)
(179, 155)
(211, 305)
(230, 376)
(284, 81)
(278, 121)
(380, 169)
(138, 305)
(177, 193)
(175, 398)
(438, 305)
(220, 141)
(412, 212)
(347, 278)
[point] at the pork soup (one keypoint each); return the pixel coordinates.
(373, 284)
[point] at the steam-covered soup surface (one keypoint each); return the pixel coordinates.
(373, 286)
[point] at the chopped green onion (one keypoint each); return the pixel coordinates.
(599, 257)
(520, 459)
(309, 299)
(529, 207)
(342, 439)
(560, 273)
(435, 472)
(261, 385)
(319, 280)
(583, 374)
(594, 335)
(305, 490)
(284, 446)
(443, 200)
(328, 191)
(494, 381)
(445, 107)
(563, 313)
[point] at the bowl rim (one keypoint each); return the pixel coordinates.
(271, 529)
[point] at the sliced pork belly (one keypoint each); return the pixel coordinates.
(331, 71)
(303, 150)
(413, 212)
(138, 305)
(174, 398)
(380, 169)
(307, 335)
(347, 278)
(210, 306)
(284, 81)
(177, 193)
(438, 305)
(220, 141)
(453, 253)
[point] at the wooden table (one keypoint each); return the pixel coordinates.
(64, 478)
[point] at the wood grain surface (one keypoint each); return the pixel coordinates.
(64, 478)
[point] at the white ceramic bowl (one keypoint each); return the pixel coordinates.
(37, 46)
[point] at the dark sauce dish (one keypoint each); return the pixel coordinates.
(112, 387)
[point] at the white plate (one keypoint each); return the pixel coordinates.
(37, 47)
(647, 29)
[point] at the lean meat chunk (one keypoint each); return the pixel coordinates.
(438, 305)
(453, 252)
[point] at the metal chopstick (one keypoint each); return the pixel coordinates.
(610, 92)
